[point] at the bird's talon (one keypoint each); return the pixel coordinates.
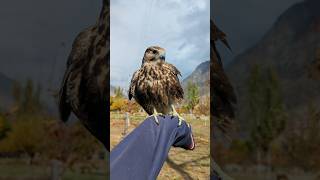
(156, 119)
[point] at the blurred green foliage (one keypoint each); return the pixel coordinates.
(193, 95)
(266, 108)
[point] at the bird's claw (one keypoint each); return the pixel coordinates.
(156, 118)
(175, 113)
(180, 120)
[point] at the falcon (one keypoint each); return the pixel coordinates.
(155, 86)
(224, 97)
(85, 87)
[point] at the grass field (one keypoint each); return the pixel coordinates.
(181, 164)
(273, 176)
(17, 169)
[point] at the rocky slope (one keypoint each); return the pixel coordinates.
(200, 76)
(292, 48)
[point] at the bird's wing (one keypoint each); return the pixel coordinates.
(222, 85)
(70, 87)
(175, 87)
(133, 85)
(223, 94)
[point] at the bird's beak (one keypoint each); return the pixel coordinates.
(162, 57)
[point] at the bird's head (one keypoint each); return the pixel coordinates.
(154, 54)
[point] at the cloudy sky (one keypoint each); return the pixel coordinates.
(179, 26)
(32, 32)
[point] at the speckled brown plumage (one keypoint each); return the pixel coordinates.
(222, 93)
(85, 86)
(156, 83)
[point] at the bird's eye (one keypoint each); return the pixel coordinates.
(154, 51)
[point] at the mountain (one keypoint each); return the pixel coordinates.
(292, 48)
(5, 91)
(200, 76)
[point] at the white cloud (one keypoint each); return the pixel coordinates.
(179, 26)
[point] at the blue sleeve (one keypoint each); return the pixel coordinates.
(184, 138)
(142, 153)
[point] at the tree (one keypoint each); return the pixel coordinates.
(117, 102)
(192, 95)
(27, 99)
(118, 92)
(27, 135)
(266, 109)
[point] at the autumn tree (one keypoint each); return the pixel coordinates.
(27, 135)
(118, 102)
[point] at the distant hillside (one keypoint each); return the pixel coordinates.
(5, 91)
(292, 48)
(200, 76)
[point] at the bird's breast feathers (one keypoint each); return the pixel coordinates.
(158, 80)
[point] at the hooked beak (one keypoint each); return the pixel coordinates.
(163, 57)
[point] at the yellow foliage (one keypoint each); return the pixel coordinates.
(118, 104)
(26, 135)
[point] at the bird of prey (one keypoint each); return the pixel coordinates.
(85, 86)
(223, 96)
(155, 86)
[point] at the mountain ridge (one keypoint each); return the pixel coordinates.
(201, 77)
(291, 48)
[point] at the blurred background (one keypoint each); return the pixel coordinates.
(275, 69)
(36, 38)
